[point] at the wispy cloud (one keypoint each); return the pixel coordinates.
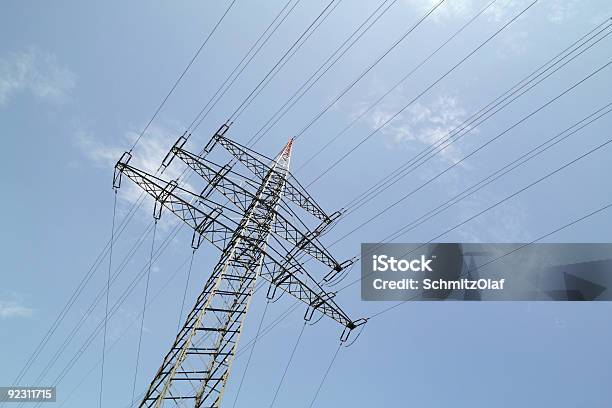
(420, 124)
(513, 44)
(508, 222)
(37, 73)
(11, 306)
(148, 155)
(555, 11)
(498, 11)
(562, 10)
(150, 151)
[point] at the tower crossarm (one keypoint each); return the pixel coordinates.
(209, 222)
(220, 178)
(291, 277)
(258, 165)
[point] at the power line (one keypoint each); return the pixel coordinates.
(573, 161)
(518, 162)
(110, 263)
(296, 305)
(100, 256)
(573, 222)
(531, 154)
(505, 199)
(143, 311)
(78, 290)
(178, 80)
(471, 218)
(144, 306)
(162, 288)
(582, 156)
(482, 115)
(122, 267)
(437, 148)
(185, 292)
(123, 224)
(396, 85)
(212, 102)
(344, 156)
(89, 311)
(112, 311)
(455, 164)
(325, 376)
(320, 71)
(591, 118)
(293, 52)
(541, 237)
(552, 173)
(122, 299)
(364, 73)
(280, 383)
(295, 43)
(246, 367)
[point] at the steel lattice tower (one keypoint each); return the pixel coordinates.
(259, 234)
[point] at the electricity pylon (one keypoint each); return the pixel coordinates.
(259, 234)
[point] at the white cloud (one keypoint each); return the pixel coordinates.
(561, 10)
(13, 307)
(514, 44)
(37, 73)
(94, 149)
(420, 123)
(556, 11)
(498, 11)
(147, 156)
(509, 222)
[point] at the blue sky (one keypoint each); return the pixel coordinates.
(79, 81)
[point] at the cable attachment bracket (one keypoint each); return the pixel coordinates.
(275, 282)
(346, 333)
(119, 167)
(213, 140)
(339, 268)
(180, 142)
(327, 222)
